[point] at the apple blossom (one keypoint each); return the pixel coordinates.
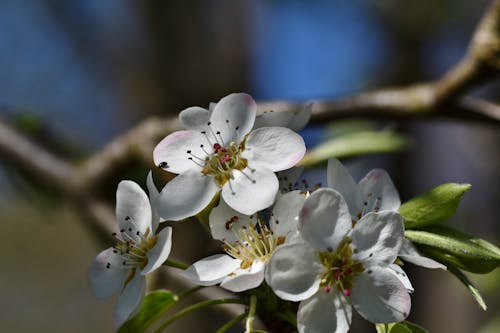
(224, 154)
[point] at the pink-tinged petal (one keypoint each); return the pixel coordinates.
(130, 299)
(181, 151)
(160, 251)
(186, 195)
(285, 216)
(194, 118)
(106, 275)
(398, 272)
(275, 148)
(225, 222)
(233, 117)
(409, 253)
(154, 197)
(245, 279)
(377, 238)
(324, 220)
(379, 192)
(250, 190)
(212, 270)
(379, 296)
(133, 210)
(324, 312)
(293, 272)
(340, 180)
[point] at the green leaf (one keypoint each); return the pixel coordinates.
(398, 328)
(403, 327)
(353, 144)
(452, 247)
(414, 328)
(473, 290)
(434, 206)
(154, 305)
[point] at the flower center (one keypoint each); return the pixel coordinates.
(254, 243)
(223, 161)
(340, 268)
(134, 250)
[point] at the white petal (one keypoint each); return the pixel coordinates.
(379, 192)
(293, 272)
(159, 253)
(130, 299)
(233, 116)
(276, 148)
(172, 155)
(225, 222)
(285, 215)
(288, 178)
(340, 179)
(273, 118)
(194, 118)
(398, 272)
(324, 219)
(250, 191)
(379, 296)
(301, 118)
(104, 281)
(186, 195)
(212, 270)
(133, 210)
(324, 312)
(409, 253)
(245, 279)
(377, 238)
(154, 197)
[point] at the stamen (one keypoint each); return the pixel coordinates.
(163, 165)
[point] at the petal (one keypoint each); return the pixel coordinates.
(301, 118)
(288, 178)
(276, 148)
(251, 190)
(379, 296)
(324, 220)
(211, 270)
(186, 195)
(245, 279)
(133, 210)
(409, 253)
(130, 299)
(273, 118)
(194, 118)
(233, 116)
(324, 312)
(285, 215)
(293, 272)
(159, 253)
(172, 154)
(340, 179)
(377, 238)
(379, 192)
(225, 222)
(105, 280)
(154, 197)
(397, 271)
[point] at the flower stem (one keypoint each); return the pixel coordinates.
(197, 306)
(251, 314)
(231, 323)
(176, 264)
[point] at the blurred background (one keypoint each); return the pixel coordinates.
(75, 74)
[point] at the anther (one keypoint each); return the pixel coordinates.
(347, 292)
(163, 165)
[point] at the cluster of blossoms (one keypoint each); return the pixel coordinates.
(330, 248)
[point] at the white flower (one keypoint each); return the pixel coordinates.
(375, 192)
(249, 243)
(138, 251)
(338, 266)
(222, 154)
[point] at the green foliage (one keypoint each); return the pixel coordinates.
(467, 283)
(353, 144)
(434, 206)
(403, 327)
(154, 305)
(452, 247)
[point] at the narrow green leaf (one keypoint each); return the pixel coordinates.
(450, 246)
(353, 144)
(381, 328)
(398, 328)
(154, 305)
(465, 280)
(434, 206)
(414, 328)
